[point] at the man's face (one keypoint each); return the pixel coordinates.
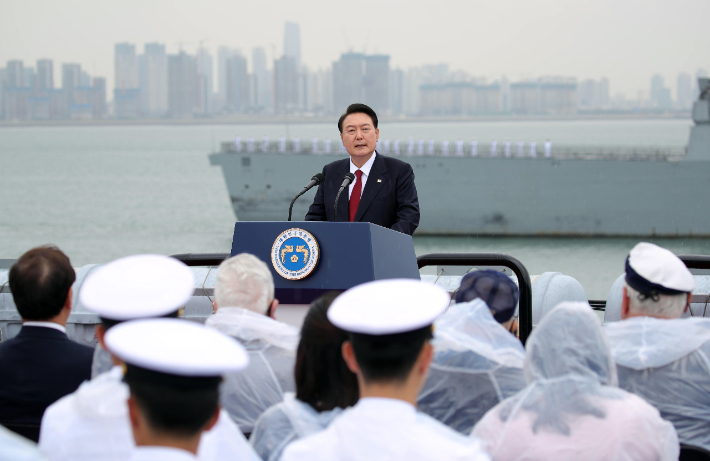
(359, 136)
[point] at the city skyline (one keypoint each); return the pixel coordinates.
(626, 40)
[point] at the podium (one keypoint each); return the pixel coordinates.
(350, 254)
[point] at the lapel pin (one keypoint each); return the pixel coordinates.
(379, 180)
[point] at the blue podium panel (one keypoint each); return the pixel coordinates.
(350, 254)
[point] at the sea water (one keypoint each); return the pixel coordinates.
(101, 192)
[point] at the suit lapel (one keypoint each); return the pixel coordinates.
(343, 203)
(375, 181)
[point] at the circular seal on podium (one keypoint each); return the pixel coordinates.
(295, 254)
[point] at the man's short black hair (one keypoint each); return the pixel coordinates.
(357, 109)
(40, 282)
(389, 357)
(178, 410)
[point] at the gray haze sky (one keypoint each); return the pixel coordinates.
(625, 40)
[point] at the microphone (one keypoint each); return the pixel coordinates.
(315, 180)
(349, 177)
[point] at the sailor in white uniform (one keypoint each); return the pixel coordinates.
(92, 423)
(265, 144)
(386, 146)
(395, 150)
(410, 147)
(314, 145)
(661, 357)
(250, 144)
(390, 325)
(494, 148)
(296, 145)
(459, 148)
(548, 149)
(533, 149)
(506, 149)
(430, 148)
(326, 145)
(445, 148)
(238, 143)
(521, 148)
(282, 145)
(173, 372)
(474, 148)
(420, 147)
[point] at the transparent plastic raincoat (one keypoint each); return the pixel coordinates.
(272, 352)
(477, 363)
(285, 422)
(571, 408)
(667, 362)
(16, 448)
(92, 424)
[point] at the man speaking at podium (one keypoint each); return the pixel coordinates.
(383, 190)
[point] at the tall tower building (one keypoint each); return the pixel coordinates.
(45, 75)
(15, 74)
(223, 54)
(348, 79)
(204, 81)
(292, 43)
(238, 98)
(377, 83)
(125, 66)
(262, 81)
(182, 85)
(154, 80)
(285, 84)
(684, 91)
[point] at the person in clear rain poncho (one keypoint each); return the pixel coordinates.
(244, 309)
(478, 360)
(324, 386)
(572, 407)
(659, 356)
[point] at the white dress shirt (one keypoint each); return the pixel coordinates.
(365, 173)
(92, 424)
(385, 429)
(161, 454)
(54, 325)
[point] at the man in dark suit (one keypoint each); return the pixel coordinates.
(383, 192)
(41, 364)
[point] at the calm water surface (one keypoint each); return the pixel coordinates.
(104, 192)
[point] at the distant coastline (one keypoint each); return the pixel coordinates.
(247, 119)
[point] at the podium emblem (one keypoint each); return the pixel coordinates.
(295, 254)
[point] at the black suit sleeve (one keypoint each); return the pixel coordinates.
(316, 212)
(407, 202)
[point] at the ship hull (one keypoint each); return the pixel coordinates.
(502, 196)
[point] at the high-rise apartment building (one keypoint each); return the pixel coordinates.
(262, 94)
(292, 43)
(285, 85)
(223, 54)
(127, 99)
(376, 83)
(238, 97)
(182, 85)
(660, 95)
(45, 75)
(684, 91)
(204, 82)
(397, 91)
(154, 80)
(348, 81)
(99, 99)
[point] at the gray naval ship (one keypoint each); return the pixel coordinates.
(485, 190)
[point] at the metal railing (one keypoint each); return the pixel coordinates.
(492, 259)
(201, 259)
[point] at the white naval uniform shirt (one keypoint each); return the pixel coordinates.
(379, 429)
(365, 173)
(161, 454)
(92, 424)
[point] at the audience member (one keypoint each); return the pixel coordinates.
(41, 364)
(572, 407)
(245, 309)
(173, 370)
(390, 325)
(478, 361)
(93, 422)
(324, 386)
(659, 356)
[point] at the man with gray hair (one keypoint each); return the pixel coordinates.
(661, 357)
(245, 308)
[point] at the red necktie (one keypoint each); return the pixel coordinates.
(355, 196)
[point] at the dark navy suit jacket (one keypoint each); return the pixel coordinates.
(38, 367)
(389, 199)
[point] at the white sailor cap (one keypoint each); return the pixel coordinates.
(138, 287)
(386, 307)
(653, 270)
(174, 351)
